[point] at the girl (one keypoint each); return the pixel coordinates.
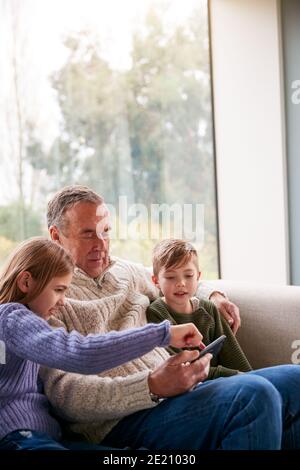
(32, 287)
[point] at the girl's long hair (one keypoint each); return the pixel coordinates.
(43, 258)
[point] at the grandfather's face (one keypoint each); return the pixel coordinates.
(86, 237)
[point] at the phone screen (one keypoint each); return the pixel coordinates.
(213, 348)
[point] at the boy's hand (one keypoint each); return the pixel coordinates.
(185, 336)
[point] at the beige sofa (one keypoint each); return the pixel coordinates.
(270, 331)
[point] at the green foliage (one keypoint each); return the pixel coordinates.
(138, 130)
(168, 101)
(6, 246)
(144, 132)
(10, 222)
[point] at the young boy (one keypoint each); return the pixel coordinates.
(176, 274)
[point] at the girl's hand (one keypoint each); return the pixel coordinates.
(186, 336)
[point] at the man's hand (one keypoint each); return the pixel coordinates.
(186, 335)
(178, 375)
(229, 310)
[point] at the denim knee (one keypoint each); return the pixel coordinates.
(262, 387)
(258, 392)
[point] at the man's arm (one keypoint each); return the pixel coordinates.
(231, 356)
(142, 278)
(79, 398)
(228, 310)
(82, 398)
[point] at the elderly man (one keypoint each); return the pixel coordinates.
(156, 401)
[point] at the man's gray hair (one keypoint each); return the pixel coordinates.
(66, 198)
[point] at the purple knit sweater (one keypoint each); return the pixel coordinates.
(30, 342)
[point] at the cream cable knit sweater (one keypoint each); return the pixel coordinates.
(118, 299)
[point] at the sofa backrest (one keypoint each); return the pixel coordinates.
(270, 331)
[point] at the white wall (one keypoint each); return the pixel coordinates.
(250, 139)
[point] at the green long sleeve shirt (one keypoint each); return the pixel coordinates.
(211, 325)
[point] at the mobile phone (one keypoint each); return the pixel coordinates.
(213, 348)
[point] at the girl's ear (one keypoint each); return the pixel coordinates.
(24, 281)
(155, 281)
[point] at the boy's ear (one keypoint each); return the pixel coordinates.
(155, 281)
(24, 281)
(199, 275)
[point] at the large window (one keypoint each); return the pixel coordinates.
(114, 95)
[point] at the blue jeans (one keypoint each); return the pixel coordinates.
(286, 379)
(256, 410)
(25, 439)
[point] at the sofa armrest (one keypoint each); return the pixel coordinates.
(270, 318)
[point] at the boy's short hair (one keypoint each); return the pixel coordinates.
(173, 253)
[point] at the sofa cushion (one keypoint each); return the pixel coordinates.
(270, 314)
